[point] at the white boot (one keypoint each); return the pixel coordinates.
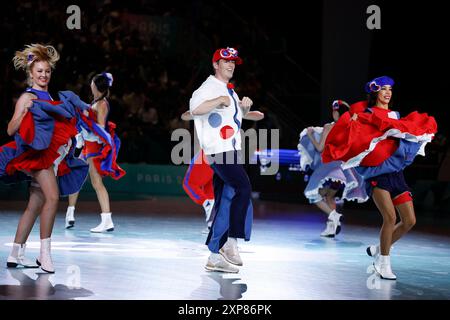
(335, 217)
(79, 145)
(373, 251)
(45, 259)
(208, 205)
(105, 225)
(80, 141)
(70, 217)
(17, 257)
(382, 266)
(208, 228)
(330, 230)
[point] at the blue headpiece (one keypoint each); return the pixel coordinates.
(376, 84)
(109, 77)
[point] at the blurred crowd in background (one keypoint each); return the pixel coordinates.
(160, 52)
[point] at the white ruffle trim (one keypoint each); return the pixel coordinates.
(305, 157)
(394, 133)
(314, 195)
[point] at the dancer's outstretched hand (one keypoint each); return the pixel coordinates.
(246, 103)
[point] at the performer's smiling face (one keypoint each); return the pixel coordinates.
(224, 69)
(385, 94)
(40, 74)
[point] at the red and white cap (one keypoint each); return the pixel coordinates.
(226, 54)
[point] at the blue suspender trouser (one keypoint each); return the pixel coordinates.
(233, 206)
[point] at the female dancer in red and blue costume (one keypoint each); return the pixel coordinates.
(380, 145)
(44, 132)
(328, 181)
(101, 148)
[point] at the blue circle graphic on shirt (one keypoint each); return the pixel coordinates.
(215, 120)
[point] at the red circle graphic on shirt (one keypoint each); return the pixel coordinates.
(226, 132)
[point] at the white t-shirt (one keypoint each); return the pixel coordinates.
(219, 130)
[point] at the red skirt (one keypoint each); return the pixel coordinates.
(32, 159)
